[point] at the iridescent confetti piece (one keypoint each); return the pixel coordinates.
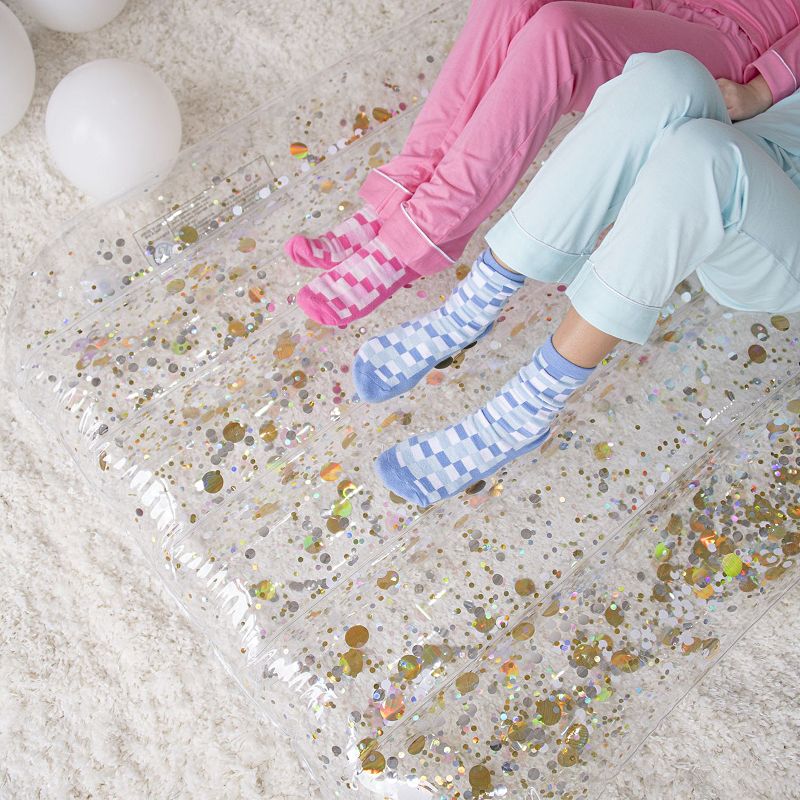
(331, 471)
(298, 150)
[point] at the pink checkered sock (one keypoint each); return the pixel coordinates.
(335, 245)
(355, 287)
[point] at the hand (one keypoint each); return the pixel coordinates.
(745, 100)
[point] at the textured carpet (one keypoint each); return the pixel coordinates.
(106, 691)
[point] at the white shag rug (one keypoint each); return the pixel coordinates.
(105, 689)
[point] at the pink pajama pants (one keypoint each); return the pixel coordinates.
(517, 67)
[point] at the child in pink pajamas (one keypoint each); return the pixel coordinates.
(516, 68)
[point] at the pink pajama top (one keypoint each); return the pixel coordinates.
(773, 26)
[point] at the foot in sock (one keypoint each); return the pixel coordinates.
(357, 286)
(334, 245)
(426, 469)
(394, 362)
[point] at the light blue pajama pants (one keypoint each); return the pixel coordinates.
(656, 151)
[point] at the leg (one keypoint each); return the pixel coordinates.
(582, 343)
(394, 362)
(467, 73)
(581, 45)
(578, 47)
(426, 469)
(550, 231)
(709, 198)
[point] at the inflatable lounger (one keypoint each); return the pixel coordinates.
(520, 640)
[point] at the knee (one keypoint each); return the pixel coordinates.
(668, 72)
(655, 86)
(557, 16)
(694, 143)
(691, 159)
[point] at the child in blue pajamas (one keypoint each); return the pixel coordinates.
(656, 153)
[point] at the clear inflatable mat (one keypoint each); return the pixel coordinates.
(520, 640)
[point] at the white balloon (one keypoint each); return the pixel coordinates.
(17, 70)
(74, 16)
(111, 124)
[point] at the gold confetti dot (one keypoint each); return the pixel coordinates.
(483, 624)
(357, 636)
(567, 756)
(586, 655)
(234, 432)
(757, 353)
(388, 580)
(603, 450)
(551, 610)
(416, 745)
(175, 286)
(614, 615)
(366, 746)
(381, 114)
(284, 348)
(268, 432)
(523, 631)
(347, 488)
(577, 735)
(524, 587)
(431, 654)
(466, 682)
(298, 379)
(212, 481)
(247, 244)
(480, 779)
(549, 711)
(352, 662)
(188, 234)
(335, 525)
(625, 661)
(374, 763)
(237, 328)
(780, 322)
(675, 524)
(519, 731)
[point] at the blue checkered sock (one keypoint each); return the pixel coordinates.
(425, 469)
(394, 362)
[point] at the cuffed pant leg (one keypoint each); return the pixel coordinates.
(549, 232)
(709, 199)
